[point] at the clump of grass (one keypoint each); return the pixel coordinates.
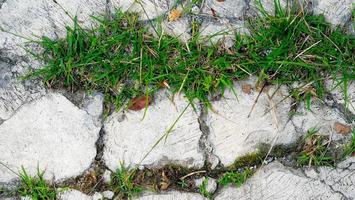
(236, 178)
(248, 160)
(35, 187)
(123, 183)
(122, 59)
(316, 150)
(349, 148)
(203, 189)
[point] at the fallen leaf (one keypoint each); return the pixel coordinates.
(246, 88)
(342, 128)
(139, 103)
(164, 84)
(220, 0)
(165, 182)
(213, 12)
(174, 15)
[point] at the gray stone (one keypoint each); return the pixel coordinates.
(338, 93)
(172, 195)
(108, 194)
(35, 18)
(14, 92)
(129, 136)
(234, 134)
(72, 194)
(275, 181)
(211, 185)
(227, 8)
(337, 12)
(93, 105)
(148, 9)
(213, 31)
(180, 28)
(97, 196)
(319, 117)
(266, 5)
(340, 180)
(51, 134)
(107, 176)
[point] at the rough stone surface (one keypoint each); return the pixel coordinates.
(211, 185)
(213, 31)
(267, 5)
(227, 8)
(234, 134)
(340, 180)
(108, 194)
(14, 92)
(275, 181)
(320, 117)
(42, 17)
(173, 195)
(148, 9)
(50, 133)
(335, 11)
(129, 137)
(74, 195)
(337, 91)
(180, 28)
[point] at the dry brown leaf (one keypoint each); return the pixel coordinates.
(246, 88)
(342, 128)
(139, 103)
(174, 15)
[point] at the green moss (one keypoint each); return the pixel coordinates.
(248, 160)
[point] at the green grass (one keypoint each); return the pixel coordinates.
(123, 60)
(236, 178)
(349, 148)
(316, 150)
(203, 189)
(35, 187)
(123, 183)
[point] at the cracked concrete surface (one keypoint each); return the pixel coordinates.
(66, 136)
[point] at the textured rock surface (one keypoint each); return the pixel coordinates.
(275, 181)
(335, 11)
(50, 133)
(234, 134)
(211, 184)
(14, 92)
(42, 17)
(319, 117)
(173, 195)
(227, 8)
(148, 9)
(180, 28)
(337, 91)
(129, 137)
(74, 195)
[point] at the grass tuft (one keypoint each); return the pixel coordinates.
(203, 189)
(236, 178)
(122, 59)
(123, 183)
(35, 187)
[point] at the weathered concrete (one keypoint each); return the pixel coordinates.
(148, 9)
(342, 95)
(320, 117)
(35, 18)
(13, 91)
(74, 195)
(227, 8)
(129, 136)
(340, 180)
(234, 134)
(275, 181)
(173, 195)
(337, 12)
(211, 184)
(51, 134)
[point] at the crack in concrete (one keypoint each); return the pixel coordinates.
(211, 160)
